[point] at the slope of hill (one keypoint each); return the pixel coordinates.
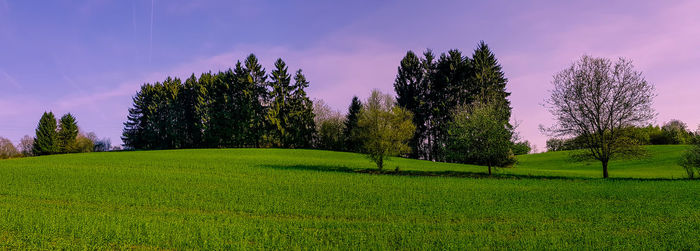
(275, 198)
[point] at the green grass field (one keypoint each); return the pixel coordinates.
(299, 199)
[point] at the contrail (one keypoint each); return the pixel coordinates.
(150, 45)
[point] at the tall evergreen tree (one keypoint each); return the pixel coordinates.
(490, 80)
(193, 102)
(259, 98)
(46, 141)
(409, 95)
(278, 112)
(67, 133)
(352, 141)
(303, 127)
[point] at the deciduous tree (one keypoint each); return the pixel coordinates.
(598, 100)
(384, 128)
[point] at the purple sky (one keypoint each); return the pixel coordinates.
(90, 57)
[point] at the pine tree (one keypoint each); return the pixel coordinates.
(409, 95)
(67, 133)
(278, 112)
(193, 100)
(352, 141)
(46, 141)
(303, 127)
(489, 78)
(259, 96)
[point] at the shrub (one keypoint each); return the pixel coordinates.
(691, 160)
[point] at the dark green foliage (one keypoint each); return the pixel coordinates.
(477, 135)
(232, 108)
(67, 133)
(690, 160)
(46, 141)
(352, 141)
(431, 89)
(521, 147)
(489, 78)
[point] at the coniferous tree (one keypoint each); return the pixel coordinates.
(259, 98)
(193, 102)
(46, 141)
(302, 128)
(410, 94)
(352, 142)
(278, 114)
(489, 78)
(67, 133)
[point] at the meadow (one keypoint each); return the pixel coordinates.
(310, 199)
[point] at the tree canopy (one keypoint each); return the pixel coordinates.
(599, 100)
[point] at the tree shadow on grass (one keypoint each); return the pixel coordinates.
(453, 174)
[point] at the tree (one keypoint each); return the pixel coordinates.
(278, 112)
(431, 89)
(46, 140)
(67, 133)
(410, 95)
(83, 144)
(489, 78)
(7, 149)
(598, 100)
(352, 142)
(384, 128)
(329, 127)
(259, 98)
(676, 132)
(477, 135)
(690, 160)
(25, 146)
(301, 114)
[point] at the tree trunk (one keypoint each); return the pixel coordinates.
(380, 163)
(605, 169)
(489, 170)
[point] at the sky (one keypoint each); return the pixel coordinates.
(90, 57)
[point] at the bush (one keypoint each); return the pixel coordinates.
(691, 160)
(522, 147)
(7, 149)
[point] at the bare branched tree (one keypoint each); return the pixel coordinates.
(599, 100)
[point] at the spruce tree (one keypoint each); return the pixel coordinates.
(409, 95)
(67, 133)
(259, 99)
(46, 141)
(278, 112)
(352, 141)
(303, 127)
(193, 100)
(489, 78)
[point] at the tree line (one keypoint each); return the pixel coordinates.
(54, 136)
(239, 107)
(673, 132)
(247, 107)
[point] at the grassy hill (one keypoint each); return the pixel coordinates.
(275, 198)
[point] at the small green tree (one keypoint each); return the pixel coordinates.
(384, 128)
(691, 159)
(477, 135)
(352, 143)
(67, 133)
(46, 141)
